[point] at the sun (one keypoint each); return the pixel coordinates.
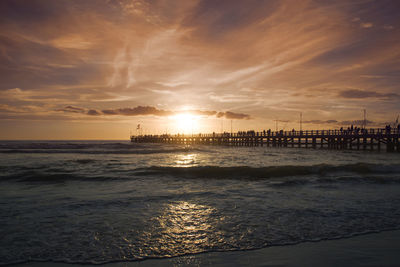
(186, 123)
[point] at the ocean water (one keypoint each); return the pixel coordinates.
(106, 201)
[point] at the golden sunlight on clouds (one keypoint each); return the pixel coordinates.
(72, 42)
(127, 61)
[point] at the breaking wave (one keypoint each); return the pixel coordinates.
(267, 172)
(321, 173)
(92, 148)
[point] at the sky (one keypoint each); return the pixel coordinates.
(95, 69)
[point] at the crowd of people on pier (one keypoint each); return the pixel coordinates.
(351, 130)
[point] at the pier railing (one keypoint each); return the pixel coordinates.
(379, 131)
(365, 139)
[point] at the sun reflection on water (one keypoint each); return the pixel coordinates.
(185, 227)
(185, 160)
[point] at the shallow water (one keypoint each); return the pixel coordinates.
(97, 202)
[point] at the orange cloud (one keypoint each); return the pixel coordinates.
(265, 60)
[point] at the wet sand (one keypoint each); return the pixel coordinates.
(376, 249)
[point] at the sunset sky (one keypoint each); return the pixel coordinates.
(96, 69)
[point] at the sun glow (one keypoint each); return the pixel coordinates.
(186, 123)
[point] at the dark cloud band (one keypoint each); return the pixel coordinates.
(355, 93)
(148, 110)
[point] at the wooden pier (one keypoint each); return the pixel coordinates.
(360, 139)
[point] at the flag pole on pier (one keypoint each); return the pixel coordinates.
(365, 119)
(301, 121)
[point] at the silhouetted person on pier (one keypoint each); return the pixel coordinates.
(388, 129)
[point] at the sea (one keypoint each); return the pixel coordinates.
(95, 202)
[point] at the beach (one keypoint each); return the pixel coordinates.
(376, 249)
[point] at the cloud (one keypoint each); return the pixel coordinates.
(356, 93)
(233, 116)
(331, 121)
(203, 112)
(93, 112)
(321, 122)
(148, 110)
(357, 122)
(72, 109)
(101, 59)
(366, 25)
(345, 122)
(137, 111)
(388, 27)
(4, 108)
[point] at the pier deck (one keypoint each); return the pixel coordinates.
(363, 139)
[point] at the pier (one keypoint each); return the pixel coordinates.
(360, 139)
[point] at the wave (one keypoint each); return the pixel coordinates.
(37, 176)
(247, 247)
(297, 175)
(63, 145)
(91, 147)
(268, 172)
(99, 151)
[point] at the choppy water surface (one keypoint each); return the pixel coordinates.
(97, 202)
